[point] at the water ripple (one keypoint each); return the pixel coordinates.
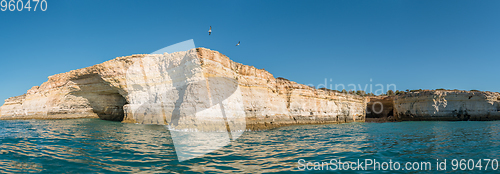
(96, 146)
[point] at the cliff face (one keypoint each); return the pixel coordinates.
(448, 105)
(159, 89)
(379, 106)
(380, 109)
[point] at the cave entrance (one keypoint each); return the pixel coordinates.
(109, 106)
(380, 107)
(104, 100)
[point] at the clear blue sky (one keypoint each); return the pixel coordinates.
(413, 44)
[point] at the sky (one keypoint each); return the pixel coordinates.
(449, 44)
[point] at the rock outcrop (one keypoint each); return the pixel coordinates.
(447, 105)
(159, 89)
(380, 109)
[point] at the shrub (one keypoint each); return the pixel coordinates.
(281, 78)
(359, 92)
(330, 90)
(390, 92)
(398, 92)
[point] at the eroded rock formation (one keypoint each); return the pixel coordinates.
(380, 109)
(447, 105)
(109, 92)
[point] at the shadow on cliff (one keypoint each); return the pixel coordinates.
(185, 103)
(103, 99)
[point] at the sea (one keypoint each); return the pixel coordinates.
(98, 146)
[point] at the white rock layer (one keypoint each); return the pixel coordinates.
(448, 105)
(105, 91)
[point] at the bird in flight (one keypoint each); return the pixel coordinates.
(210, 31)
(238, 43)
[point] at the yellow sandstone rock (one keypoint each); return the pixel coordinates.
(108, 91)
(447, 105)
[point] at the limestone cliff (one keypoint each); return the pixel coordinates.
(121, 90)
(447, 105)
(380, 109)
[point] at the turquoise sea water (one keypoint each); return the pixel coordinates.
(97, 146)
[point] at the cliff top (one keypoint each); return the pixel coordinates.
(119, 65)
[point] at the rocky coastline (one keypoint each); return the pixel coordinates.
(109, 91)
(104, 91)
(447, 105)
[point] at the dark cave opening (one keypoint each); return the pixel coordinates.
(104, 99)
(380, 107)
(109, 106)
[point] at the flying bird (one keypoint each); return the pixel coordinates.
(238, 43)
(210, 31)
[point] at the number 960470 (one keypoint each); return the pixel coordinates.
(20, 5)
